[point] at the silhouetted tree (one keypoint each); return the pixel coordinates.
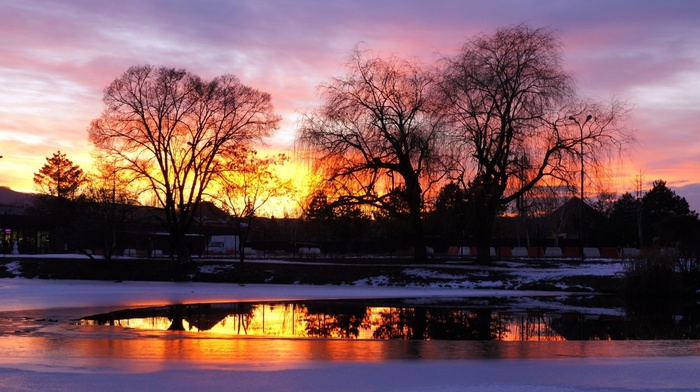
(60, 182)
(376, 132)
(510, 103)
(248, 183)
(318, 208)
(173, 131)
(107, 208)
(661, 202)
(624, 220)
(60, 177)
(450, 217)
(660, 207)
(335, 224)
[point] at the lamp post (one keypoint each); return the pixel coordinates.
(580, 222)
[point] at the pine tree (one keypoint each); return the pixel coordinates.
(60, 177)
(666, 216)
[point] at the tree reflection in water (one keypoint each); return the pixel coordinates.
(404, 320)
(329, 320)
(397, 324)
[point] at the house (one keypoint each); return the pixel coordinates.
(17, 226)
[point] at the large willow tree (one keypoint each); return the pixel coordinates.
(517, 121)
(374, 138)
(173, 130)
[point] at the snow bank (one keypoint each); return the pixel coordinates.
(27, 294)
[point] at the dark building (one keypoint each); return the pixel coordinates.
(140, 229)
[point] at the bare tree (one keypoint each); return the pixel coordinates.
(510, 103)
(173, 130)
(374, 137)
(248, 184)
(108, 205)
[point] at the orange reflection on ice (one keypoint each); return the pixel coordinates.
(324, 320)
(153, 353)
(525, 327)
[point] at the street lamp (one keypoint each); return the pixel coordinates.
(580, 222)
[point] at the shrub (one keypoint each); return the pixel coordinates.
(652, 274)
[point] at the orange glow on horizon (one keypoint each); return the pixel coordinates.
(17, 175)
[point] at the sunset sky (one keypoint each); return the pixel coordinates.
(56, 57)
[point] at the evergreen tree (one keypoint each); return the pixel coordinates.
(449, 219)
(660, 206)
(60, 177)
(662, 202)
(60, 182)
(625, 220)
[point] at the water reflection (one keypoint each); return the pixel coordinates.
(406, 319)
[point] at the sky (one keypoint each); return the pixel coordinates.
(56, 57)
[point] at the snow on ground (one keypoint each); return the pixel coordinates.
(27, 294)
(14, 268)
(600, 267)
(457, 274)
(467, 276)
(215, 269)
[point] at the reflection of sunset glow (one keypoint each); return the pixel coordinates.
(272, 335)
(155, 323)
(152, 352)
(292, 320)
(526, 328)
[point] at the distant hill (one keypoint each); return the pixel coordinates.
(8, 197)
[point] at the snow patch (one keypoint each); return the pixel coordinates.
(215, 269)
(14, 268)
(381, 280)
(490, 284)
(423, 273)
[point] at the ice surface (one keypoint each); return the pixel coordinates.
(638, 374)
(42, 369)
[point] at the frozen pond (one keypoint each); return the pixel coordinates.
(504, 319)
(72, 335)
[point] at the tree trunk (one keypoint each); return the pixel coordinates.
(483, 246)
(419, 324)
(182, 246)
(485, 217)
(242, 239)
(415, 202)
(241, 272)
(176, 316)
(420, 253)
(241, 260)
